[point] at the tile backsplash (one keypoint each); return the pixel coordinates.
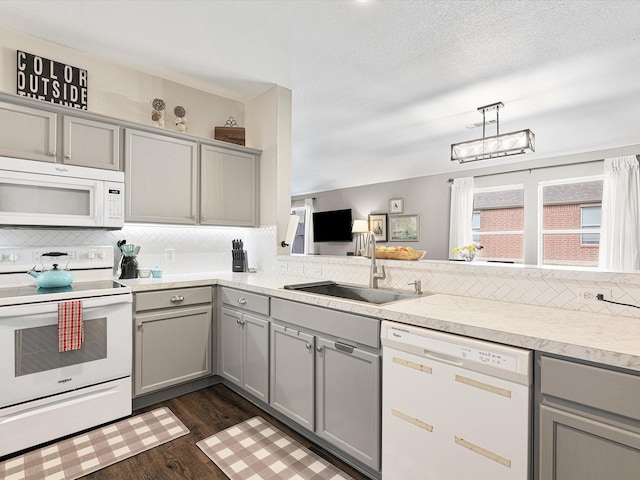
(510, 283)
(196, 249)
(208, 249)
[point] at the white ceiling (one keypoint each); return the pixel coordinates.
(380, 88)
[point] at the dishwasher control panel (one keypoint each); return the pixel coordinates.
(455, 349)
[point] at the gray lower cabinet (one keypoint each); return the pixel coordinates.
(325, 379)
(589, 422)
(292, 374)
(348, 399)
(173, 338)
(244, 351)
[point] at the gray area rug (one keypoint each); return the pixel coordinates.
(256, 450)
(88, 452)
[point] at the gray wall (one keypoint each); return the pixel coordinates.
(429, 197)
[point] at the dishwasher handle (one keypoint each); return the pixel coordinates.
(442, 357)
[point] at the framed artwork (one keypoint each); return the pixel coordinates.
(404, 228)
(378, 225)
(396, 205)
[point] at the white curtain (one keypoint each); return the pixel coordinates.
(620, 227)
(308, 227)
(461, 213)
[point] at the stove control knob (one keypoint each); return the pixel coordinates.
(14, 257)
(91, 255)
(101, 255)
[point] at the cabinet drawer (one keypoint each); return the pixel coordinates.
(345, 325)
(595, 387)
(177, 297)
(244, 300)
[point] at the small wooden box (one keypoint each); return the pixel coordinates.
(229, 134)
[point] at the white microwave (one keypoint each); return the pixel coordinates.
(36, 193)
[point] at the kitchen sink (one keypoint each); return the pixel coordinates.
(353, 292)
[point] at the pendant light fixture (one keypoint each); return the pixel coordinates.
(514, 143)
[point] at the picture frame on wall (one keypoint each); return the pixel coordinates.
(404, 228)
(378, 225)
(396, 205)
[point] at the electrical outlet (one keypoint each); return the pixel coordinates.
(170, 254)
(590, 295)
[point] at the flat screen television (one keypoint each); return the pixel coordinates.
(332, 226)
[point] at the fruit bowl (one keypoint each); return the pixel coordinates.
(400, 254)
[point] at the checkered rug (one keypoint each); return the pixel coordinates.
(256, 450)
(86, 453)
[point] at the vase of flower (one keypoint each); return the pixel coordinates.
(467, 252)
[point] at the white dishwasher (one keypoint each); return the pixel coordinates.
(453, 407)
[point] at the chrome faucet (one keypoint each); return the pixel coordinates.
(374, 276)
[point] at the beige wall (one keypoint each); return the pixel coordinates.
(121, 92)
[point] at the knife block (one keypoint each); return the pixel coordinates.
(239, 261)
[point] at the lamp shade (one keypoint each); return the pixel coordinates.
(360, 226)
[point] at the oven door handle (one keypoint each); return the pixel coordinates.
(49, 307)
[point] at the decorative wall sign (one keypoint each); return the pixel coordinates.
(51, 81)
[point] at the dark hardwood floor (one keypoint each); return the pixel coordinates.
(204, 412)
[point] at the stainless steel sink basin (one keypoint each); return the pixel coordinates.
(353, 292)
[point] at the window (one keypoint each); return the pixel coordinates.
(475, 227)
(590, 220)
(498, 223)
(570, 212)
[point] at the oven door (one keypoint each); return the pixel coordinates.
(31, 366)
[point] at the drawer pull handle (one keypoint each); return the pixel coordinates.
(177, 299)
(343, 347)
(242, 301)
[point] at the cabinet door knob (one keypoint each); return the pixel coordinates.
(177, 299)
(242, 322)
(238, 321)
(309, 346)
(203, 218)
(52, 153)
(242, 301)
(318, 349)
(67, 157)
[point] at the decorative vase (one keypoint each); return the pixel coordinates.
(467, 256)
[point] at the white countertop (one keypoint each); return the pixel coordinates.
(605, 339)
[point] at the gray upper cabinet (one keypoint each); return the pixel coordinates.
(161, 178)
(227, 187)
(27, 133)
(90, 144)
(589, 422)
(33, 134)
